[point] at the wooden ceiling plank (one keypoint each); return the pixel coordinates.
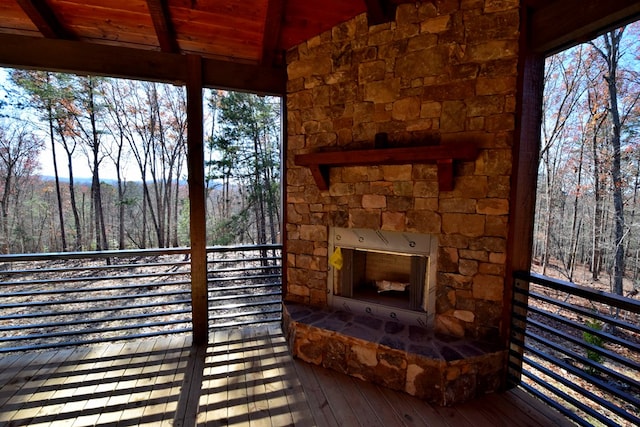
(44, 19)
(558, 25)
(161, 18)
(103, 60)
(272, 29)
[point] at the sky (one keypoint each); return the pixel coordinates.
(80, 165)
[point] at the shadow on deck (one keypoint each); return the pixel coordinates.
(243, 377)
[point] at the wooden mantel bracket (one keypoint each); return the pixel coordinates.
(442, 155)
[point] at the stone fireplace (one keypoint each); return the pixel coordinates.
(387, 274)
(440, 78)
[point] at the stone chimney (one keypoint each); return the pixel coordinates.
(444, 72)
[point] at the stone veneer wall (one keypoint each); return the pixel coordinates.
(443, 71)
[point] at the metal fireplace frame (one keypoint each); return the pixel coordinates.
(422, 248)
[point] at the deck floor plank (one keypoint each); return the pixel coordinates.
(243, 377)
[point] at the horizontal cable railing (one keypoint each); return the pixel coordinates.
(71, 298)
(245, 285)
(64, 299)
(577, 349)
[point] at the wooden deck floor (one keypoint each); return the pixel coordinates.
(244, 377)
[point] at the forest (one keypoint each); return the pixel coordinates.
(131, 137)
(588, 200)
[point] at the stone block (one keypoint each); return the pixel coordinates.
(423, 222)
(491, 6)
(499, 186)
(491, 50)
(397, 203)
(466, 224)
(394, 221)
(495, 85)
(403, 192)
(396, 172)
(455, 280)
(425, 204)
(470, 187)
(457, 205)
(500, 122)
(313, 232)
(448, 259)
(486, 105)
(436, 24)
(406, 109)
(498, 258)
(371, 71)
(425, 381)
(478, 255)
(493, 269)
(432, 61)
(488, 244)
(374, 201)
(382, 91)
(364, 218)
(430, 109)
(449, 325)
(454, 115)
(468, 267)
(426, 189)
(493, 206)
(486, 287)
(464, 315)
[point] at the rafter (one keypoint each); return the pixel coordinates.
(557, 25)
(272, 28)
(105, 60)
(44, 19)
(161, 18)
(380, 11)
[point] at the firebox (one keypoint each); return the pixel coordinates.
(384, 274)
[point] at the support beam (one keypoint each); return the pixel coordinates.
(522, 198)
(161, 18)
(272, 28)
(104, 60)
(197, 215)
(44, 19)
(562, 24)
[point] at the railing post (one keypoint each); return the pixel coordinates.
(519, 304)
(195, 164)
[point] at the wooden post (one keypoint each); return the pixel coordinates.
(197, 216)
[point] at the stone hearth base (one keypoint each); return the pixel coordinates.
(440, 369)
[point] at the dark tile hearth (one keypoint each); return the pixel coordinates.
(439, 368)
(413, 339)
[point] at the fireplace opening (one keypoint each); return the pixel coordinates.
(395, 280)
(384, 274)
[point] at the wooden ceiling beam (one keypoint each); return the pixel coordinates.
(380, 11)
(44, 19)
(272, 29)
(562, 24)
(159, 11)
(105, 60)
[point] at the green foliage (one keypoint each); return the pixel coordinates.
(594, 340)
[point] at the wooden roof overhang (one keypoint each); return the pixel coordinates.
(241, 42)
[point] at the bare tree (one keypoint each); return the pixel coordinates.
(19, 148)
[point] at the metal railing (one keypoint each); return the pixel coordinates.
(577, 349)
(245, 285)
(64, 299)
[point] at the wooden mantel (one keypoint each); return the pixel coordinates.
(443, 155)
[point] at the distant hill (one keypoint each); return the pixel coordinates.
(79, 180)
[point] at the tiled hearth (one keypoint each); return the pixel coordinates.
(440, 369)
